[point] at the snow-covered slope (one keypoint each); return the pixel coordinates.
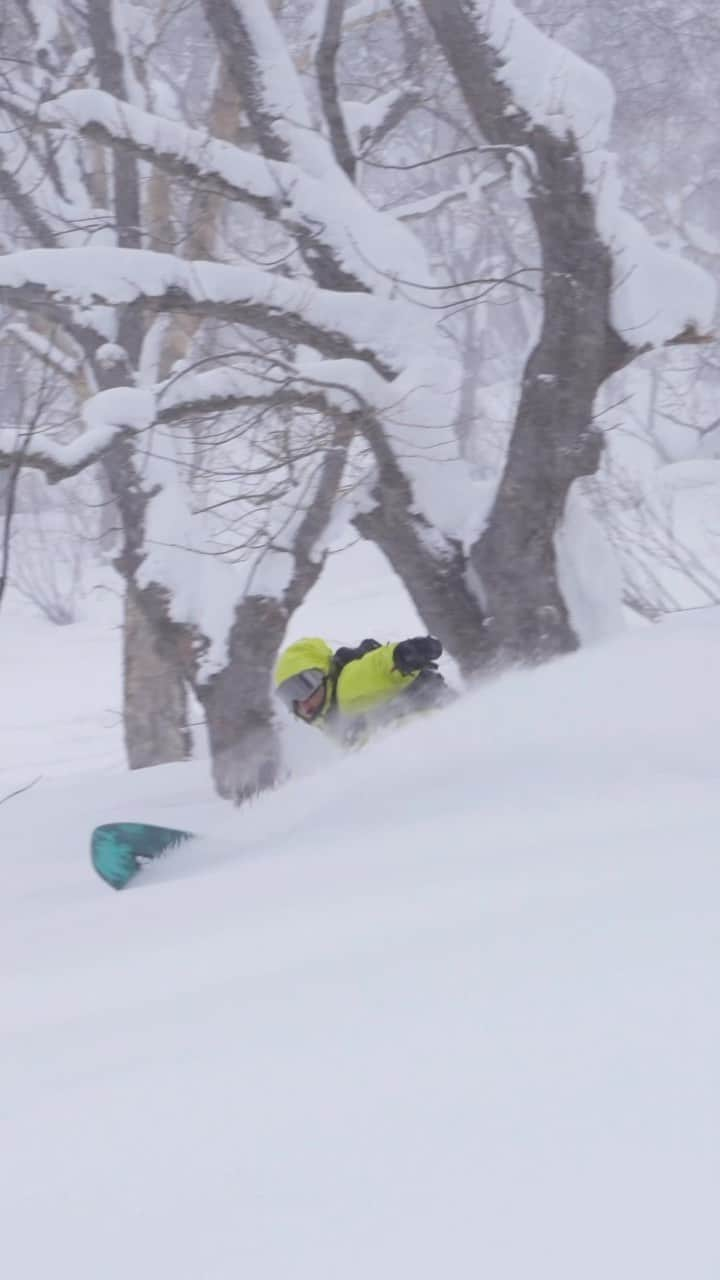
(445, 1007)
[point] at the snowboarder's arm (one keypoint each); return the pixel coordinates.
(370, 681)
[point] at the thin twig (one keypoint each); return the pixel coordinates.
(20, 790)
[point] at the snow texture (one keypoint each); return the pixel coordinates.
(203, 590)
(588, 572)
(445, 1006)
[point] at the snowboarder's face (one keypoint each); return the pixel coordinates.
(311, 707)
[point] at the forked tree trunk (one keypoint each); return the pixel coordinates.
(553, 441)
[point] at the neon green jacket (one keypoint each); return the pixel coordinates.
(362, 686)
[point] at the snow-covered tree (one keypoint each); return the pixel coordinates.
(357, 381)
(662, 413)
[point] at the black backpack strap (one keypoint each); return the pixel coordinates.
(340, 660)
(346, 654)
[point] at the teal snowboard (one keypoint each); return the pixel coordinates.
(118, 849)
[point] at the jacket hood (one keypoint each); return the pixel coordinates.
(311, 653)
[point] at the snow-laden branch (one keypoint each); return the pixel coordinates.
(358, 247)
(340, 325)
(60, 461)
(370, 122)
(13, 192)
(182, 152)
(527, 91)
(426, 205)
(418, 410)
(336, 389)
(46, 350)
(270, 87)
(31, 182)
(258, 59)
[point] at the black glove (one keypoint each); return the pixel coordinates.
(413, 655)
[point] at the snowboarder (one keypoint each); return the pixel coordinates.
(353, 690)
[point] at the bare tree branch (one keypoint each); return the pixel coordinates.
(400, 107)
(25, 207)
(20, 790)
(220, 391)
(307, 564)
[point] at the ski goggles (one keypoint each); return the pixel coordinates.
(298, 688)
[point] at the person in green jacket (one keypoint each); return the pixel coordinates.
(353, 690)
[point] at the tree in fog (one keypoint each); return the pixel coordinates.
(295, 373)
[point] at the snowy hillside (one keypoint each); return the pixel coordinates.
(446, 1007)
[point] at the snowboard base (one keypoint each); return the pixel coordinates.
(117, 849)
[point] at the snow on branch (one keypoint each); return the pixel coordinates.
(45, 349)
(182, 152)
(54, 208)
(334, 387)
(370, 122)
(524, 87)
(339, 325)
(361, 247)
(427, 205)
(59, 461)
(108, 416)
(221, 390)
(19, 198)
(269, 85)
(260, 62)
(337, 389)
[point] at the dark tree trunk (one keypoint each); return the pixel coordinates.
(238, 703)
(154, 684)
(553, 441)
(435, 579)
(154, 691)
(111, 76)
(326, 68)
